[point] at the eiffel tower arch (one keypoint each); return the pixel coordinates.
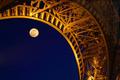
(79, 27)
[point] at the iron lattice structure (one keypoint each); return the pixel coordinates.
(77, 26)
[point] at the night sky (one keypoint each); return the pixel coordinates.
(47, 57)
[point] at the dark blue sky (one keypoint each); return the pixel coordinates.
(47, 57)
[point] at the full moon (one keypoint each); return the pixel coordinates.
(34, 32)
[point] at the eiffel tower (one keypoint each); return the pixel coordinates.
(91, 26)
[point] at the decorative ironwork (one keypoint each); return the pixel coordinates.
(79, 28)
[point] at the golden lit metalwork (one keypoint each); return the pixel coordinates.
(77, 26)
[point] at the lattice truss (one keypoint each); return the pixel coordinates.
(78, 26)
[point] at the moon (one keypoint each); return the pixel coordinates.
(34, 32)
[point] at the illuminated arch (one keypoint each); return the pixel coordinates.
(77, 26)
